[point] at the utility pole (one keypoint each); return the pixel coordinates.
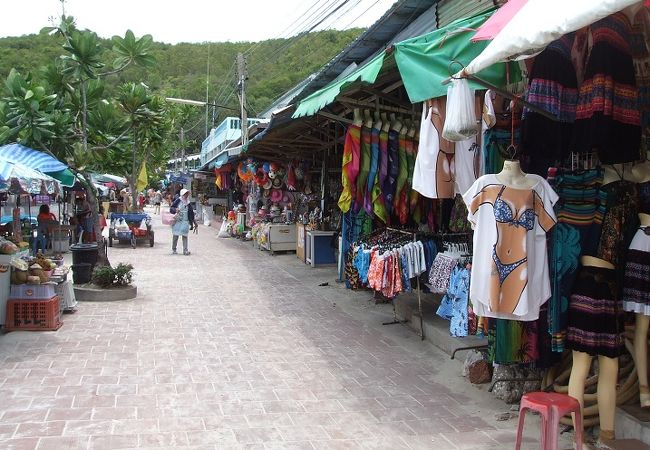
(242, 77)
(207, 94)
(182, 139)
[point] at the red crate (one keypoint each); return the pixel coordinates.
(33, 315)
(139, 233)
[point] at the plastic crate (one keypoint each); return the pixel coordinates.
(33, 291)
(33, 315)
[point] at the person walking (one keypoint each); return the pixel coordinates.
(157, 201)
(184, 220)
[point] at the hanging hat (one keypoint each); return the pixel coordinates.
(276, 195)
(267, 193)
(277, 182)
(268, 184)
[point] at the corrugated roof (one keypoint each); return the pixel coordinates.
(402, 20)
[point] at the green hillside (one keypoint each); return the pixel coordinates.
(274, 65)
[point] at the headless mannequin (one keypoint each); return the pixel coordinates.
(358, 118)
(395, 123)
(367, 119)
(632, 10)
(386, 123)
(377, 122)
(641, 342)
(607, 374)
(512, 176)
(411, 132)
(641, 172)
(406, 127)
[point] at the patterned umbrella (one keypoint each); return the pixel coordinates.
(37, 160)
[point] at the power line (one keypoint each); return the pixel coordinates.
(292, 43)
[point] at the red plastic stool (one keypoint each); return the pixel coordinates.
(551, 407)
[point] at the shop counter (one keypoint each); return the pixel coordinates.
(318, 249)
(279, 237)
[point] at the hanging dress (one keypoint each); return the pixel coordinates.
(350, 168)
(554, 88)
(425, 163)
(374, 169)
(607, 116)
(364, 165)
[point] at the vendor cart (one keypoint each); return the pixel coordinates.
(134, 233)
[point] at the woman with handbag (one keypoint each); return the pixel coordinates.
(182, 221)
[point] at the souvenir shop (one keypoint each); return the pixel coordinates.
(525, 207)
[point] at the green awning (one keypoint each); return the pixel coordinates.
(313, 103)
(424, 61)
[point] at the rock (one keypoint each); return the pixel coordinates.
(506, 416)
(480, 372)
(511, 391)
(472, 357)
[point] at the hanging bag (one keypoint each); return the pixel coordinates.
(460, 117)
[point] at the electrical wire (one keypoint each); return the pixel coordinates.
(292, 43)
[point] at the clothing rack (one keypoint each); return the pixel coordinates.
(395, 320)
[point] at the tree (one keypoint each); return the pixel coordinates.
(68, 114)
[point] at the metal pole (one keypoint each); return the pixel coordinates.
(207, 94)
(182, 150)
(241, 69)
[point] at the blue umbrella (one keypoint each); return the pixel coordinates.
(37, 160)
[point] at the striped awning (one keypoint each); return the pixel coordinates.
(37, 160)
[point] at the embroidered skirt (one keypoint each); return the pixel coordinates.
(636, 288)
(596, 317)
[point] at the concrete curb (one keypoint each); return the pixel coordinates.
(93, 294)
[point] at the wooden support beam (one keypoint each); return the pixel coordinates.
(335, 117)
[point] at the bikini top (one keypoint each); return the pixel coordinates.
(503, 214)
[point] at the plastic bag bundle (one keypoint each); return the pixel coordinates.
(460, 120)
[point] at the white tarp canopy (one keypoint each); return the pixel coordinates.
(540, 22)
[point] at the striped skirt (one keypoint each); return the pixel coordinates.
(636, 287)
(596, 317)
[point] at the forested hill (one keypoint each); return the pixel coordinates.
(274, 65)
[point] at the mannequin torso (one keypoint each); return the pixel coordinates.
(644, 220)
(592, 261)
(358, 118)
(512, 176)
(395, 123)
(641, 172)
(367, 119)
(385, 122)
(377, 123)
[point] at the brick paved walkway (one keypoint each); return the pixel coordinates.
(230, 348)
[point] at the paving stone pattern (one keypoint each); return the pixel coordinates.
(232, 348)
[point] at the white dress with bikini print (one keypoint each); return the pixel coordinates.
(510, 217)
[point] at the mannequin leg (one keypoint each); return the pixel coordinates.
(579, 372)
(607, 378)
(641, 356)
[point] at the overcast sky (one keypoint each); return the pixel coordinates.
(175, 21)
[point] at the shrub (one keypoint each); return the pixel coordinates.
(107, 276)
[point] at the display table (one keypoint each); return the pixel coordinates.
(300, 241)
(318, 248)
(279, 237)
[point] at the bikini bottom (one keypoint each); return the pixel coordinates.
(505, 269)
